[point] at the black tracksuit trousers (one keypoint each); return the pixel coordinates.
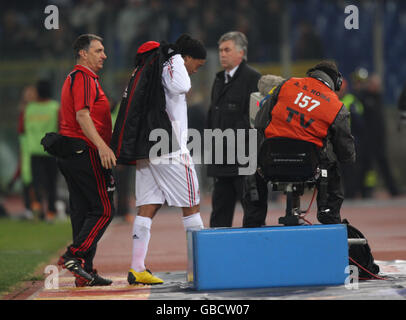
(91, 202)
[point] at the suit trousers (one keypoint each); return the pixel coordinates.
(227, 190)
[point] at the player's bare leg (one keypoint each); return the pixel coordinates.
(191, 218)
(149, 210)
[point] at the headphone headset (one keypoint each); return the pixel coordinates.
(338, 82)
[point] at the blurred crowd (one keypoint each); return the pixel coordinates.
(125, 24)
(362, 94)
(37, 170)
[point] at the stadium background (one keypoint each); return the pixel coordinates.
(285, 38)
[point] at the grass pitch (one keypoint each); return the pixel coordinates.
(25, 245)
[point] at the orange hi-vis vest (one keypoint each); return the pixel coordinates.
(305, 109)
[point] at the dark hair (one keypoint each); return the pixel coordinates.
(330, 68)
(188, 46)
(44, 89)
(327, 64)
(83, 42)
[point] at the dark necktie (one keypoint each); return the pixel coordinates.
(228, 78)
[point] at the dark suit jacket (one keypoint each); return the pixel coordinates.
(229, 109)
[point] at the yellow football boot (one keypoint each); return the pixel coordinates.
(144, 277)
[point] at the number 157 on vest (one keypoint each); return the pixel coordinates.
(303, 102)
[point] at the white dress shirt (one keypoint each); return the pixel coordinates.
(231, 72)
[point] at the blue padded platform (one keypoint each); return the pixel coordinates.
(231, 258)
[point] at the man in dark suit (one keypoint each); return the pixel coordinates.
(229, 109)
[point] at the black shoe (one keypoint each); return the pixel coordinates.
(325, 216)
(75, 266)
(98, 280)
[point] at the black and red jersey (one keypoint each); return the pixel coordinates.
(82, 89)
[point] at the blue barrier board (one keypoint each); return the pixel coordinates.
(275, 256)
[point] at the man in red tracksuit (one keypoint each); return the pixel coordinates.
(85, 118)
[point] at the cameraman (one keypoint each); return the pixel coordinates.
(309, 109)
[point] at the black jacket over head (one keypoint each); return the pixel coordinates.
(142, 107)
(229, 109)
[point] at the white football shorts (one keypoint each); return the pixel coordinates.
(174, 182)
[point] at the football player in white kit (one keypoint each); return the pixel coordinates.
(175, 180)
